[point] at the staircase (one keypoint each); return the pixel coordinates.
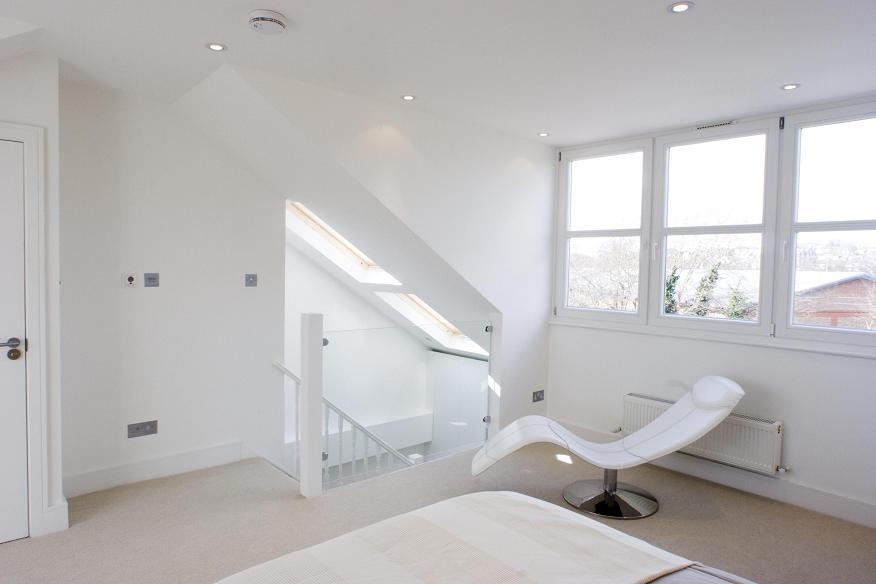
(350, 451)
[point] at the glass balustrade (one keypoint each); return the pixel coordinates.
(398, 396)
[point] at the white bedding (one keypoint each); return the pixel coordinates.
(482, 538)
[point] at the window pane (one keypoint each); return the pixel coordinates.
(606, 192)
(835, 280)
(604, 273)
(837, 180)
(713, 276)
(716, 183)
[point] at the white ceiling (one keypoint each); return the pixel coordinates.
(585, 70)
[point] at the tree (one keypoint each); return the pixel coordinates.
(604, 274)
(737, 305)
(705, 288)
(670, 296)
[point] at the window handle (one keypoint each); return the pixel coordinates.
(654, 252)
(784, 253)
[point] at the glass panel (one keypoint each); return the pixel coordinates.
(835, 280)
(837, 174)
(399, 385)
(290, 463)
(604, 273)
(713, 276)
(716, 183)
(606, 192)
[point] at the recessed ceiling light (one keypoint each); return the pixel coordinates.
(409, 97)
(679, 7)
(544, 134)
(216, 47)
(790, 86)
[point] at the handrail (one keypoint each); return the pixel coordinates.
(287, 373)
(348, 418)
(395, 453)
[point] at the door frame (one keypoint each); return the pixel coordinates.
(47, 507)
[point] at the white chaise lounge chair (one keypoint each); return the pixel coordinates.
(689, 419)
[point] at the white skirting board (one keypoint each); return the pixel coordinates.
(781, 488)
(153, 468)
(53, 519)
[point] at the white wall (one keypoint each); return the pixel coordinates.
(827, 404)
(374, 370)
(29, 95)
(480, 199)
(144, 193)
(311, 288)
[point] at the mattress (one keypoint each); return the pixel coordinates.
(483, 538)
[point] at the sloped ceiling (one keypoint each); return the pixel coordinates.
(289, 156)
(17, 37)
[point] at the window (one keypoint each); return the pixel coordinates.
(342, 253)
(715, 246)
(712, 187)
(831, 229)
(603, 230)
(320, 235)
(428, 320)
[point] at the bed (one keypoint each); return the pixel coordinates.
(484, 538)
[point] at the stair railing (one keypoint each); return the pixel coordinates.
(373, 446)
(359, 461)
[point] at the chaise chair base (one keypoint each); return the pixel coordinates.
(608, 498)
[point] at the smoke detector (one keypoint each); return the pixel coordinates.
(267, 21)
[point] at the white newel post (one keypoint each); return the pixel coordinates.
(494, 399)
(310, 447)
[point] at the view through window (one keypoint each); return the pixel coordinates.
(835, 260)
(718, 184)
(605, 196)
(711, 252)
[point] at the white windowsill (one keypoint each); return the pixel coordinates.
(844, 350)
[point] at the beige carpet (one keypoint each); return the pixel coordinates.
(202, 526)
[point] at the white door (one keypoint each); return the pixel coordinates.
(13, 392)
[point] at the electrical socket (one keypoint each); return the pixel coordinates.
(538, 396)
(129, 280)
(138, 429)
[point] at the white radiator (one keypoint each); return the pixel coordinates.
(742, 441)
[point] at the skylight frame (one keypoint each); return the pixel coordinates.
(335, 247)
(430, 321)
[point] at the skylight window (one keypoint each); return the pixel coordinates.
(335, 247)
(431, 322)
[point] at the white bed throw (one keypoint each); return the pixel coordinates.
(482, 538)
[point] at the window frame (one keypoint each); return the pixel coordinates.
(789, 227)
(565, 235)
(779, 230)
(766, 228)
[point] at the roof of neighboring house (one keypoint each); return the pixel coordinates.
(748, 281)
(811, 282)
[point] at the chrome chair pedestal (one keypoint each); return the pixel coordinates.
(608, 498)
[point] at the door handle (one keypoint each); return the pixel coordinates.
(12, 342)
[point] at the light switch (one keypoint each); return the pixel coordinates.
(150, 280)
(251, 280)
